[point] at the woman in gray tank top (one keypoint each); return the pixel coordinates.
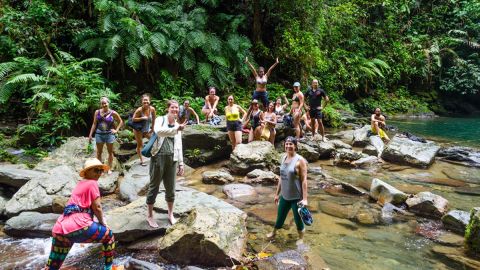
(292, 188)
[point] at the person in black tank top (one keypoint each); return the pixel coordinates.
(315, 95)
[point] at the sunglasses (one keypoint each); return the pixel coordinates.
(97, 170)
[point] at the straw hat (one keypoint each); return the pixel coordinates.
(93, 163)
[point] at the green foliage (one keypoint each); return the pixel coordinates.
(463, 77)
(194, 156)
(399, 101)
(472, 232)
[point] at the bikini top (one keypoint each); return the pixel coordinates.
(296, 98)
(105, 121)
(279, 110)
(262, 80)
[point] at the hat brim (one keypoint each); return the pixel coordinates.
(84, 170)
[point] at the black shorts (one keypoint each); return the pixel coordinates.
(234, 126)
(315, 114)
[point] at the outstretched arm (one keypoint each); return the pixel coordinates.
(272, 67)
(94, 124)
(252, 68)
(287, 103)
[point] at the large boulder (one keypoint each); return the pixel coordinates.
(283, 132)
(465, 155)
(17, 175)
(219, 177)
(340, 144)
(405, 151)
(261, 177)
(360, 136)
(203, 144)
(108, 183)
(377, 143)
(31, 224)
(456, 220)
(346, 157)
(38, 194)
(427, 204)
(135, 180)
(365, 162)
(385, 193)
(287, 260)
(254, 155)
(325, 149)
(308, 152)
(345, 136)
(472, 232)
(370, 150)
(235, 191)
(208, 236)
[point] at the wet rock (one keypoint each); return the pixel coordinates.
(192, 268)
(450, 239)
(456, 220)
(390, 213)
(134, 264)
(377, 143)
(365, 162)
(475, 191)
(218, 177)
(261, 177)
(59, 203)
(325, 149)
(456, 258)
(345, 136)
(283, 132)
(472, 232)
(235, 191)
(427, 204)
(352, 189)
(404, 151)
(255, 155)
(465, 155)
(385, 193)
(17, 175)
(366, 214)
(430, 229)
(338, 144)
(287, 260)
(207, 237)
(345, 157)
(37, 195)
(336, 210)
(135, 180)
(30, 224)
(108, 183)
(360, 138)
(370, 150)
(203, 144)
(308, 152)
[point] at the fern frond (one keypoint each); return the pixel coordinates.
(25, 78)
(133, 59)
(6, 68)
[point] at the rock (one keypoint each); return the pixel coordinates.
(30, 224)
(234, 191)
(377, 143)
(219, 177)
(16, 176)
(365, 162)
(338, 144)
(59, 203)
(207, 237)
(38, 194)
(345, 157)
(135, 180)
(360, 138)
(472, 232)
(283, 132)
(370, 150)
(308, 152)
(352, 189)
(385, 193)
(336, 210)
(261, 177)
(465, 155)
(134, 264)
(108, 183)
(404, 151)
(203, 144)
(368, 216)
(456, 220)
(450, 239)
(325, 149)
(255, 155)
(345, 136)
(427, 204)
(390, 213)
(287, 260)
(456, 257)
(475, 191)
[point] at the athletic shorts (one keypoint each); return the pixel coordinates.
(234, 126)
(315, 114)
(262, 97)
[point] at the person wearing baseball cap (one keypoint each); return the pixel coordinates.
(76, 224)
(296, 111)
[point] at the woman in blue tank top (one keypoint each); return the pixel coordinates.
(292, 188)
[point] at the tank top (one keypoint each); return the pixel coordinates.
(104, 122)
(279, 110)
(146, 127)
(232, 113)
(291, 187)
(255, 119)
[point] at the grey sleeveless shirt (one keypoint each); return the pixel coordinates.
(291, 186)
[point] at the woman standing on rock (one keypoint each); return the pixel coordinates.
(76, 224)
(261, 79)
(104, 127)
(167, 155)
(145, 114)
(256, 119)
(234, 122)
(296, 111)
(292, 188)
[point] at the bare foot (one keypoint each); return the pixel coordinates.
(299, 242)
(271, 236)
(109, 172)
(152, 222)
(172, 220)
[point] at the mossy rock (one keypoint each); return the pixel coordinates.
(472, 232)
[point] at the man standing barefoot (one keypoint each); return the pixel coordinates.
(315, 94)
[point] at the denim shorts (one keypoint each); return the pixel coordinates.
(104, 138)
(234, 125)
(262, 97)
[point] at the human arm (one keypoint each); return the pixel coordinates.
(165, 131)
(181, 164)
(302, 172)
(94, 124)
(244, 113)
(154, 116)
(97, 210)
(277, 192)
(194, 113)
(215, 103)
(119, 120)
(137, 115)
(252, 68)
(327, 100)
(272, 67)
(287, 103)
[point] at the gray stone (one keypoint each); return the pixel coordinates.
(208, 236)
(346, 157)
(203, 144)
(30, 224)
(308, 152)
(427, 204)
(360, 138)
(352, 189)
(108, 183)
(235, 191)
(370, 150)
(17, 175)
(340, 144)
(465, 155)
(254, 155)
(345, 136)
(287, 260)
(261, 177)
(365, 162)
(135, 181)
(377, 143)
(385, 193)
(456, 220)
(134, 264)
(38, 194)
(218, 177)
(325, 149)
(405, 151)
(457, 257)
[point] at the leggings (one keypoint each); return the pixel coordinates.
(283, 207)
(95, 233)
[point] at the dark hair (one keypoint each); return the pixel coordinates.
(268, 108)
(146, 96)
(292, 140)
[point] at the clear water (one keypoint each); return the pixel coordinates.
(457, 131)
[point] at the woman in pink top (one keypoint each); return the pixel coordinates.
(76, 225)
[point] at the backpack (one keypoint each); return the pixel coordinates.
(135, 125)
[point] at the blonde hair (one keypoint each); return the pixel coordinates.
(104, 99)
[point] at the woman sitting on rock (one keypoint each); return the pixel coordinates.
(270, 120)
(76, 224)
(280, 108)
(104, 127)
(145, 114)
(292, 188)
(186, 112)
(234, 122)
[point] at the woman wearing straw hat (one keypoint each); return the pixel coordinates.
(76, 224)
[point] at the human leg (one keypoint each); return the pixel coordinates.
(99, 150)
(139, 140)
(110, 156)
(169, 179)
(156, 173)
(59, 251)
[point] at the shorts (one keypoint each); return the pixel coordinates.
(104, 138)
(234, 125)
(262, 97)
(315, 114)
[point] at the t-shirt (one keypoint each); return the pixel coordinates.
(315, 97)
(83, 195)
(167, 147)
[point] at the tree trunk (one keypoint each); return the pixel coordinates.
(257, 26)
